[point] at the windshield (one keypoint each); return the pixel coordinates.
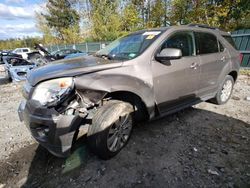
(129, 47)
(54, 52)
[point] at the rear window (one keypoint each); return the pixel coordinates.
(206, 43)
(230, 40)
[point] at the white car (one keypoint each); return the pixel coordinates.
(22, 51)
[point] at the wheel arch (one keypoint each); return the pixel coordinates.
(141, 111)
(234, 74)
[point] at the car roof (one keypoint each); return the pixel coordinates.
(198, 27)
(203, 27)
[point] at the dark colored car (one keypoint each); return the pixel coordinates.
(70, 56)
(60, 54)
(142, 76)
(6, 53)
(43, 57)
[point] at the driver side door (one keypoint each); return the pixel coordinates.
(176, 83)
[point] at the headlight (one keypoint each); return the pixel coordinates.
(49, 93)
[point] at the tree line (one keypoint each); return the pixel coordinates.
(106, 20)
(74, 21)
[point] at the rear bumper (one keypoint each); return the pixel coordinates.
(52, 130)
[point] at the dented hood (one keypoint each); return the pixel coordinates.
(71, 67)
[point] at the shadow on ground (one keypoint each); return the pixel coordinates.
(193, 148)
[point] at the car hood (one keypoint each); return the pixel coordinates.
(70, 67)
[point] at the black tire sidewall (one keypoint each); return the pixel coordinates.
(98, 141)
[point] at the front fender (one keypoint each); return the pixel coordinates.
(116, 82)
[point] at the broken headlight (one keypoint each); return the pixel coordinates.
(49, 93)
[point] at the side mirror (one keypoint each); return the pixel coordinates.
(168, 54)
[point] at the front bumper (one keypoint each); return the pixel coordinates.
(52, 130)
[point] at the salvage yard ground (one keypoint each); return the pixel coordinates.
(202, 146)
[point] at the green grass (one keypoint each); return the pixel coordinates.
(245, 71)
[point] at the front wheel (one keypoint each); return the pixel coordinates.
(111, 129)
(225, 91)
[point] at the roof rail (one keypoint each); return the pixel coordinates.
(203, 26)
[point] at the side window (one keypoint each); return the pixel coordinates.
(60, 53)
(182, 41)
(221, 47)
(230, 40)
(206, 43)
(25, 50)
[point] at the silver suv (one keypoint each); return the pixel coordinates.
(142, 76)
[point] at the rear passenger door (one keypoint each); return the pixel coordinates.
(213, 58)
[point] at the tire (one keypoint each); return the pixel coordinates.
(111, 129)
(222, 95)
(9, 77)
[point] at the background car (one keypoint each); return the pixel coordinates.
(8, 53)
(22, 51)
(60, 54)
(17, 68)
(76, 55)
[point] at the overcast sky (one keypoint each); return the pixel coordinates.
(17, 18)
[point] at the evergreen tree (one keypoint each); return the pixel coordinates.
(105, 20)
(61, 16)
(157, 14)
(131, 20)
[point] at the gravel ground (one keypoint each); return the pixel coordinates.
(203, 146)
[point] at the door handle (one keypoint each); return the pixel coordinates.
(194, 66)
(223, 59)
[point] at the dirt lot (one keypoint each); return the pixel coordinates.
(202, 146)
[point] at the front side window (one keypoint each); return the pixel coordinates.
(17, 51)
(206, 43)
(182, 41)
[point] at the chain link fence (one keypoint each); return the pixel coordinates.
(89, 47)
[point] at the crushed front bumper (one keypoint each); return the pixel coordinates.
(52, 130)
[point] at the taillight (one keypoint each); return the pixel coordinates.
(241, 58)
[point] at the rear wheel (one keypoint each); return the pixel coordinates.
(225, 91)
(111, 129)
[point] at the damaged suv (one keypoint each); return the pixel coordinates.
(142, 76)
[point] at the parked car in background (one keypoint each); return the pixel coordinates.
(17, 68)
(82, 54)
(60, 54)
(9, 53)
(42, 56)
(22, 51)
(145, 75)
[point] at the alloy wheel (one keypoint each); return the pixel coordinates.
(119, 133)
